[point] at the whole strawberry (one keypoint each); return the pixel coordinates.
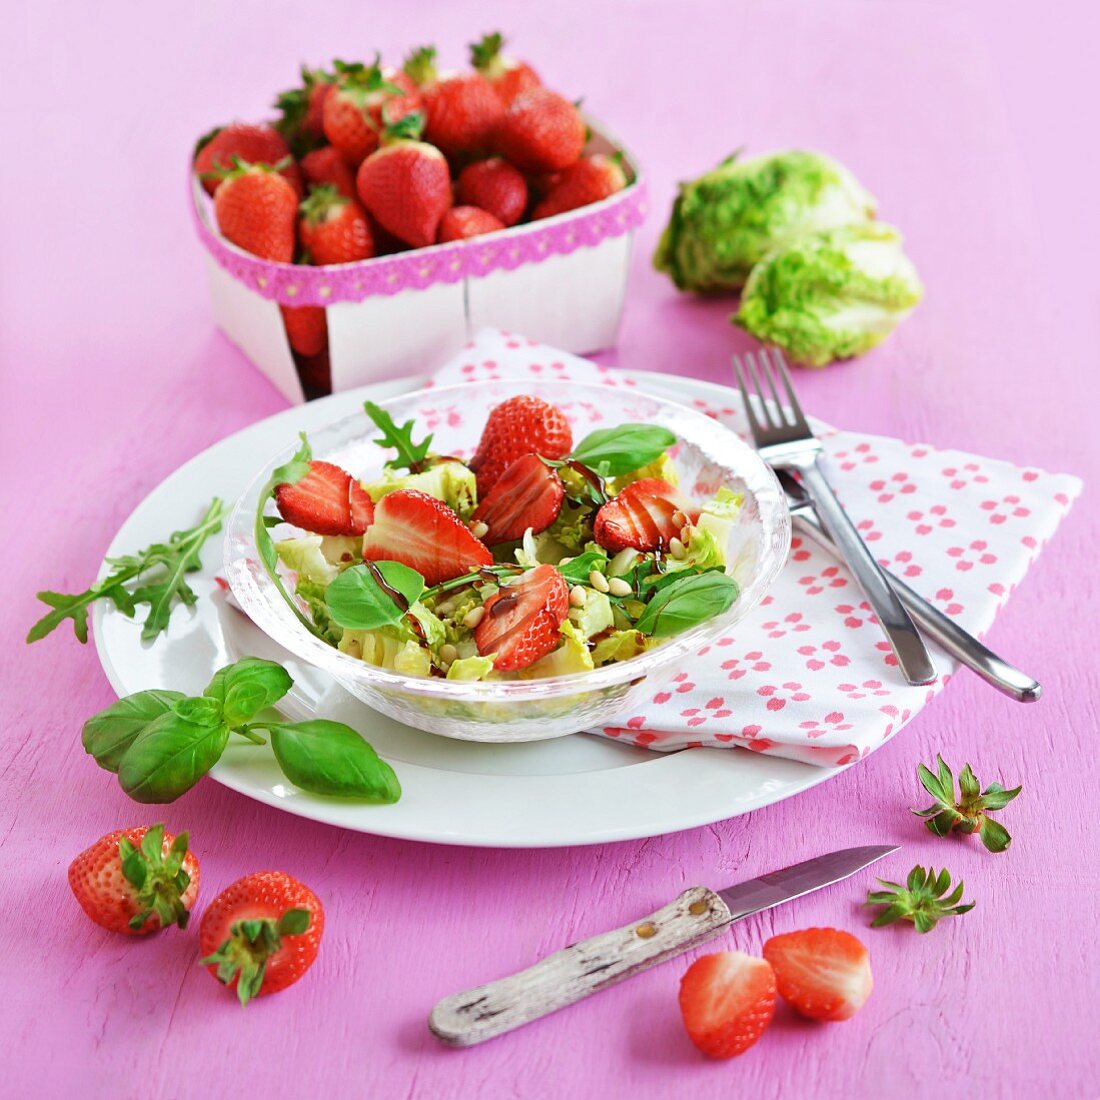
(364, 100)
(463, 110)
(257, 210)
(463, 222)
(519, 426)
(136, 881)
(510, 78)
(493, 185)
(261, 934)
(406, 185)
(306, 329)
(334, 229)
(254, 144)
(541, 132)
(326, 166)
(589, 180)
(302, 110)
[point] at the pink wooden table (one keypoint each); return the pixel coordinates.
(113, 375)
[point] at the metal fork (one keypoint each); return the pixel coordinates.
(785, 441)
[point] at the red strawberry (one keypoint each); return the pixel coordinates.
(463, 222)
(643, 516)
(261, 934)
(406, 185)
(253, 144)
(527, 494)
(821, 973)
(306, 328)
(423, 533)
(136, 881)
(327, 501)
(496, 186)
(463, 109)
(334, 229)
(589, 180)
(727, 1001)
(353, 111)
(303, 108)
(541, 132)
(257, 210)
(521, 622)
(519, 426)
(508, 76)
(315, 371)
(326, 167)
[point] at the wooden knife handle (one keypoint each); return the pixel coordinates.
(563, 978)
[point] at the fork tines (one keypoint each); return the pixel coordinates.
(779, 421)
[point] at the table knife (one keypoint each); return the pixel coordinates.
(584, 968)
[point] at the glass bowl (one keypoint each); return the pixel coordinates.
(707, 457)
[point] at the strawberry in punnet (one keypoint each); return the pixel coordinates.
(508, 76)
(519, 426)
(463, 109)
(353, 111)
(727, 1001)
(325, 167)
(589, 180)
(423, 533)
(406, 185)
(334, 229)
(462, 222)
(522, 621)
(527, 495)
(822, 973)
(136, 881)
(261, 934)
(306, 329)
(541, 132)
(303, 110)
(327, 501)
(256, 209)
(254, 144)
(646, 515)
(493, 185)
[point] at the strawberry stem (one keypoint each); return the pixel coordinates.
(159, 880)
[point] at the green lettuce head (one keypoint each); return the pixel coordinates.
(727, 220)
(831, 295)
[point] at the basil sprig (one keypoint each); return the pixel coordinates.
(357, 601)
(685, 602)
(612, 452)
(161, 743)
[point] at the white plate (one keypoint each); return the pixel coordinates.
(573, 790)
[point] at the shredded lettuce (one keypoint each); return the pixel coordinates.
(663, 468)
(619, 645)
(305, 557)
(573, 527)
(595, 617)
(470, 668)
(571, 656)
(450, 482)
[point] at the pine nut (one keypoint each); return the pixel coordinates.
(676, 548)
(679, 518)
(598, 581)
(577, 596)
(479, 530)
(447, 653)
(473, 617)
(618, 587)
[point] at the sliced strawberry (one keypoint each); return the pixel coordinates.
(643, 516)
(327, 501)
(521, 621)
(527, 494)
(822, 973)
(516, 427)
(727, 1001)
(423, 533)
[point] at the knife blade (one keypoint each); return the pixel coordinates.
(584, 968)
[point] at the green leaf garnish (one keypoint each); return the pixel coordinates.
(921, 900)
(330, 758)
(612, 452)
(578, 569)
(107, 735)
(243, 689)
(968, 814)
(173, 753)
(410, 455)
(686, 601)
(357, 601)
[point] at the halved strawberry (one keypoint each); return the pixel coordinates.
(516, 427)
(527, 494)
(423, 533)
(327, 501)
(727, 1001)
(643, 516)
(521, 621)
(822, 973)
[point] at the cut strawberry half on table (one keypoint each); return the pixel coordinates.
(646, 515)
(519, 426)
(521, 622)
(423, 533)
(327, 501)
(527, 495)
(727, 1001)
(822, 973)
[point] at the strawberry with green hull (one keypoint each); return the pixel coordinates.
(508, 76)
(256, 209)
(365, 99)
(541, 132)
(334, 229)
(591, 179)
(253, 144)
(522, 621)
(822, 973)
(462, 222)
(327, 501)
(727, 1001)
(493, 185)
(647, 515)
(527, 496)
(303, 111)
(519, 426)
(326, 167)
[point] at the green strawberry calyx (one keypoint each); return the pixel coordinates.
(485, 55)
(239, 167)
(407, 128)
(364, 80)
(970, 812)
(158, 878)
(420, 66)
(251, 943)
(921, 900)
(322, 203)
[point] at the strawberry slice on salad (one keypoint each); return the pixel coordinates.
(822, 973)
(646, 515)
(527, 495)
(521, 622)
(327, 501)
(423, 533)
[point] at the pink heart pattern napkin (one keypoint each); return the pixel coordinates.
(808, 675)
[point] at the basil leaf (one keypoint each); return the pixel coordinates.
(244, 688)
(326, 757)
(170, 756)
(577, 570)
(108, 734)
(686, 602)
(358, 602)
(612, 452)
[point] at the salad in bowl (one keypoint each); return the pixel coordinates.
(507, 561)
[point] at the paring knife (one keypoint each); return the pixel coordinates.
(584, 968)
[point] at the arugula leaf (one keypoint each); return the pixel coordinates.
(330, 758)
(173, 753)
(612, 452)
(162, 567)
(244, 688)
(357, 601)
(107, 735)
(685, 602)
(410, 455)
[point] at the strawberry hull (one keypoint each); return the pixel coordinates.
(559, 281)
